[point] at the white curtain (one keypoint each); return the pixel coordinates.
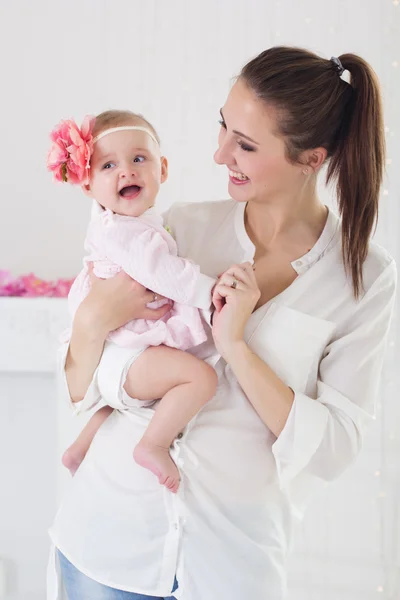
(173, 60)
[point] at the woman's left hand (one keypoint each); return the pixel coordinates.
(235, 297)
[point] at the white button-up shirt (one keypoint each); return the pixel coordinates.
(227, 533)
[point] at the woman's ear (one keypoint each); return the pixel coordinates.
(164, 169)
(315, 158)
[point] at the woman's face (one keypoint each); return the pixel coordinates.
(250, 146)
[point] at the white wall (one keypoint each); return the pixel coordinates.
(173, 61)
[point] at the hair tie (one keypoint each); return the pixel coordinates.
(339, 68)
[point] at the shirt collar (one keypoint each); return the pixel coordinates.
(327, 239)
(107, 216)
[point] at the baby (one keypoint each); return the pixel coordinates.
(116, 159)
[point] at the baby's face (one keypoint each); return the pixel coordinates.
(126, 170)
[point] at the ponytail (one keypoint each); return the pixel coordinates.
(357, 164)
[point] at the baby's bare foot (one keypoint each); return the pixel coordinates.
(72, 459)
(158, 461)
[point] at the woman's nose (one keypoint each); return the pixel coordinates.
(223, 155)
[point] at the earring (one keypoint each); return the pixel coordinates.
(305, 171)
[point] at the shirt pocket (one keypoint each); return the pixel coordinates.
(292, 343)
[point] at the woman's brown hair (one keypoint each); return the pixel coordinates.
(317, 108)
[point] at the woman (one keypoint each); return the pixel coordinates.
(297, 344)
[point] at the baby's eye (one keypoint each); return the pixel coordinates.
(108, 165)
(138, 159)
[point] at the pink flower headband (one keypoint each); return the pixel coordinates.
(71, 149)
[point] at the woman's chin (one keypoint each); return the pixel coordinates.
(238, 193)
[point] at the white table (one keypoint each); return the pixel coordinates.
(34, 426)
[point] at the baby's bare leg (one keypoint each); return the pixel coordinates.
(75, 454)
(185, 384)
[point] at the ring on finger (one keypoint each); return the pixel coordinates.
(234, 284)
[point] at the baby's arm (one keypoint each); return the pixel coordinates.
(146, 258)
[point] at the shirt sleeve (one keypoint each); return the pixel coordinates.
(147, 259)
(323, 436)
(168, 217)
(92, 396)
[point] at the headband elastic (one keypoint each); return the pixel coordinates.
(125, 128)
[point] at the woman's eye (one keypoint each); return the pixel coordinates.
(138, 159)
(222, 123)
(246, 147)
(108, 165)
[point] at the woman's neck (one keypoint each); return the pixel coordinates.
(272, 223)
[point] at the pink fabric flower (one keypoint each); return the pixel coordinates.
(71, 149)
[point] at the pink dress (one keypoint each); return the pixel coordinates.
(142, 248)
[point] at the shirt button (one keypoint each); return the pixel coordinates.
(179, 436)
(299, 263)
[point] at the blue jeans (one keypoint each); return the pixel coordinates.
(80, 587)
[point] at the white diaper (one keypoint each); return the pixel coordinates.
(111, 376)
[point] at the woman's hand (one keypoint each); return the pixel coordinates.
(235, 296)
(111, 303)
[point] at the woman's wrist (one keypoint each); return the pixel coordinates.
(236, 352)
(89, 326)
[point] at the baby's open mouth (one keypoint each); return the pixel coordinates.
(130, 191)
